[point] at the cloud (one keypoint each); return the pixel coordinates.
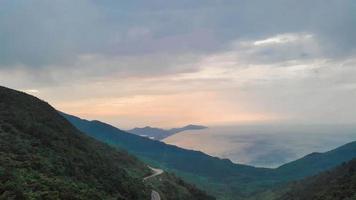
(277, 59)
(37, 33)
(283, 39)
(34, 91)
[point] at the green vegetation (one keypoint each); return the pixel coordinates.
(336, 184)
(174, 188)
(42, 156)
(220, 177)
(317, 162)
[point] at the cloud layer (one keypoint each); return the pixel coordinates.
(281, 60)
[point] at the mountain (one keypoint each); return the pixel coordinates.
(42, 156)
(335, 184)
(159, 152)
(338, 183)
(317, 162)
(220, 177)
(326, 179)
(160, 134)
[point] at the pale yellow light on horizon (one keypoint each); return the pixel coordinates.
(169, 110)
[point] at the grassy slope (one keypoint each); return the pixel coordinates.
(42, 156)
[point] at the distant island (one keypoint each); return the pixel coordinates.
(160, 134)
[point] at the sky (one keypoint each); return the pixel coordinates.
(170, 63)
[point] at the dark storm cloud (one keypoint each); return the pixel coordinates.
(41, 33)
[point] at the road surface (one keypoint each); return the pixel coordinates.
(154, 194)
(155, 171)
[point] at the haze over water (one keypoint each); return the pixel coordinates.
(265, 145)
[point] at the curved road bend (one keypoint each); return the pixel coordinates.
(155, 171)
(154, 194)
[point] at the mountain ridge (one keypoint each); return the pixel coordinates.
(221, 177)
(43, 156)
(325, 161)
(338, 183)
(160, 134)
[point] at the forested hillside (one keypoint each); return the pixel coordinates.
(42, 156)
(335, 184)
(221, 177)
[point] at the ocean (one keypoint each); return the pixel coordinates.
(265, 145)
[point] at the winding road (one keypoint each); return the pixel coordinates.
(156, 172)
(155, 195)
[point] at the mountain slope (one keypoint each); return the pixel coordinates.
(317, 162)
(336, 184)
(160, 134)
(168, 155)
(219, 176)
(42, 156)
(150, 132)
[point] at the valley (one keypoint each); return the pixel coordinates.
(177, 100)
(221, 177)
